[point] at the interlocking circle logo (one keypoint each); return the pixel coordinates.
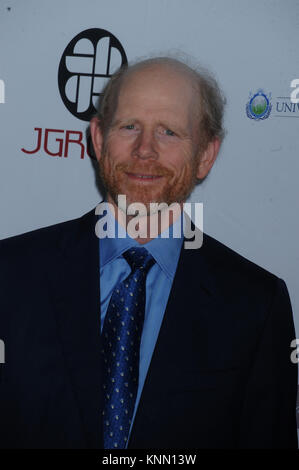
(86, 65)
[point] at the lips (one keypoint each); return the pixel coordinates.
(143, 177)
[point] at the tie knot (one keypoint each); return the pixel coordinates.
(139, 258)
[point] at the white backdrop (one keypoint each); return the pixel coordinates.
(251, 196)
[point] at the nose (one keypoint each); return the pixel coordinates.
(145, 147)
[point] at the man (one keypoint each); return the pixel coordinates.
(138, 342)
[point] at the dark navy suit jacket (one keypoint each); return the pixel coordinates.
(220, 376)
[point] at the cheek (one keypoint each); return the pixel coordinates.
(179, 159)
(118, 150)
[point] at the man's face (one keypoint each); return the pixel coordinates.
(150, 153)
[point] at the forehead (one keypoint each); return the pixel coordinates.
(160, 90)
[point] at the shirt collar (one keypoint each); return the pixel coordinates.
(166, 251)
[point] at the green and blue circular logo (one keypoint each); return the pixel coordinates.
(259, 107)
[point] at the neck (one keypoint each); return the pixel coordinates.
(144, 228)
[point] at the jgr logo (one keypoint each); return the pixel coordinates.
(87, 63)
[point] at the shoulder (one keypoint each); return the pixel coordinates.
(42, 242)
(234, 274)
(222, 264)
(227, 259)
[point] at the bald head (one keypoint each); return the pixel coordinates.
(164, 65)
(206, 105)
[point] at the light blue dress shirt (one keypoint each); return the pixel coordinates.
(114, 268)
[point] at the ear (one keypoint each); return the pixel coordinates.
(96, 136)
(208, 158)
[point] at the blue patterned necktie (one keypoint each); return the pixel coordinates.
(121, 337)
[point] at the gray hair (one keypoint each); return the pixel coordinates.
(211, 101)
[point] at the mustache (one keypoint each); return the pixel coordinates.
(150, 169)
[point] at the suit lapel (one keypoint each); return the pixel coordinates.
(192, 302)
(77, 304)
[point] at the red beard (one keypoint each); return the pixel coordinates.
(171, 188)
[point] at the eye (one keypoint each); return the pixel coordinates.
(169, 132)
(129, 127)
